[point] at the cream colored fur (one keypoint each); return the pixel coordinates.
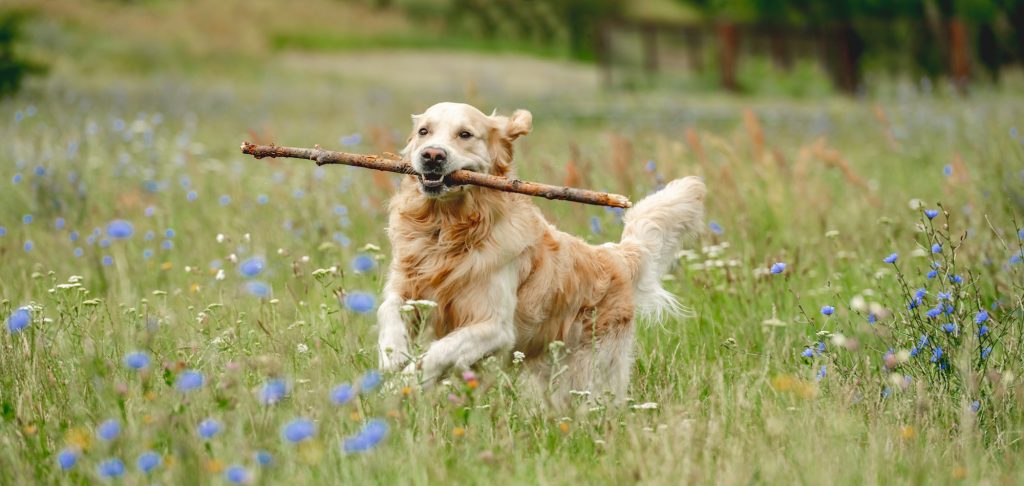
(505, 279)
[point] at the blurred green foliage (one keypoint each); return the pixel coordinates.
(13, 68)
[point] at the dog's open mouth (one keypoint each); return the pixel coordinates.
(434, 183)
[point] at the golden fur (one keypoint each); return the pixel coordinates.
(504, 278)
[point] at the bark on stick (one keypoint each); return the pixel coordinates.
(377, 162)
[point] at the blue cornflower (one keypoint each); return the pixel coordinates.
(716, 228)
(360, 302)
(252, 267)
(886, 392)
(107, 260)
(104, 243)
(3, 231)
(944, 296)
(169, 233)
(987, 350)
(872, 318)
(595, 225)
(59, 224)
(73, 236)
(148, 461)
(975, 406)
(149, 235)
(931, 213)
(67, 459)
(828, 310)
(369, 381)
(778, 268)
(19, 320)
(914, 351)
(821, 346)
(208, 428)
(923, 341)
(237, 474)
(936, 354)
(147, 253)
(120, 229)
(934, 312)
(920, 293)
(342, 394)
(949, 327)
(821, 372)
(109, 429)
(352, 139)
(28, 245)
(192, 195)
(947, 170)
(368, 438)
(932, 274)
(650, 166)
(956, 279)
(111, 468)
(258, 288)
(891, 258)
(981, 316)
(17, 178)
(264, 458)
(936, 248)
(26, 219)
(913, 304)
(225, 200)
(40, 170)
(149, 212)
(808, 353)
(78, 252)
(262, 199)
(1020, 234)
(363, 263)
(949, 309)
(167, 244)
(983, 330)
(298, 430)
(189, 380)
(273, 391)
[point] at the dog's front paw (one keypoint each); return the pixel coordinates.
(392, 354)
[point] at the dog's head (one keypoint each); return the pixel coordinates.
(456, 136)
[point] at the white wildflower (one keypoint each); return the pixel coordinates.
(301, 348)
(645, 406)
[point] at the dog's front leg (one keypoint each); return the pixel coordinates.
(469, 344)
(393, 337)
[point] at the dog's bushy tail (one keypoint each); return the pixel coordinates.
(655, 227)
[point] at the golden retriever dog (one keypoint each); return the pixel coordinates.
(503, 278)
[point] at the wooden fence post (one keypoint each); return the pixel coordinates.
(728, 40)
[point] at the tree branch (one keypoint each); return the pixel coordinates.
(377, 162)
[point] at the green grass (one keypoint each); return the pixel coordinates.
(736, 402)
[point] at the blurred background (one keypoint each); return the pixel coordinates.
(822, 130)
(799, 48)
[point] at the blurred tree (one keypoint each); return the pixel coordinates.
(13, 68)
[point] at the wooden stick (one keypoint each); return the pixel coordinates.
(377, 162)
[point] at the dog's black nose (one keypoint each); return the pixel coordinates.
(433, 158)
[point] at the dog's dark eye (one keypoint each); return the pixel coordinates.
(423, 131)
(464, 134)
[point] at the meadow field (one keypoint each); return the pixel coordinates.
(178, 313)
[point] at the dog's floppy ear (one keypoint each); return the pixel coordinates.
(408, 141)
(519, 124)
(515, 126)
